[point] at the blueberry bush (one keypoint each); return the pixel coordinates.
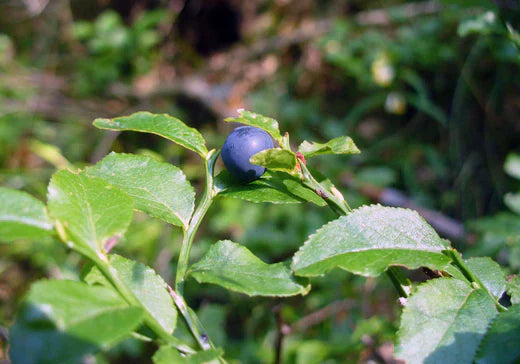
(467, 312)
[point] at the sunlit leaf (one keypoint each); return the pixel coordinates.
(161, 124)
(368, 241)
(146, 286)
(89, 210)
(276, 159)
(513, 289)
(234, 267)
(339, 145)
(61, 321)
(157, 188)
(443, 322)
(490, 273)
(259, 121)
(22, 216)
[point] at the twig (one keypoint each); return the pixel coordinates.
(319, 316)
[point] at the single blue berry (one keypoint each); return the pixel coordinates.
(240, 145)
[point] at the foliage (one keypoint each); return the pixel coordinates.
(91, 209)
(429, 98)
(114, 50)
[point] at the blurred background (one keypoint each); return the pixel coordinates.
(428, 90)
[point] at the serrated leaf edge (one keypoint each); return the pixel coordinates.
(364, 207)
(184, 223)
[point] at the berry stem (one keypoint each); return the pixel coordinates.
(196, 219)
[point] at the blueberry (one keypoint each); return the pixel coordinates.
(240, 145)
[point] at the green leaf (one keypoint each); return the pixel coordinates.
(22, 216)
(61, 321)
(490, 273)
(168, 355)
(161, 124)
(234, 267)
(339, 145)
(159, 189)
(273, 187)
(500, 345)
(369, 240)
(276, 159)
(259, 121)
(443, 322)
(146, 286)
(89, 210)
(513, 289)
(512, 200)
(512, 165)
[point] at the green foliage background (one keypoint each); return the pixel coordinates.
(431, 99)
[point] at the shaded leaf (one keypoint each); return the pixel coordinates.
(234, 267)
(146, 286)
(369, 240)
(22, 216)
(273, 187)
(443, 322)
(161, 124)
(259, 121)
(490, 273)
(89, 209)
(500, 345)
(276, 159)
(157, 188)
(61, 321)
(339, 145)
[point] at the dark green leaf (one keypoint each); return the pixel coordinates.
(274, 187)
(146, 286)
(339, 145)
(234, 267)
(61, 321)
(276, 159)
(369, 240)
(500, 345)
(89, 209)
(259, 121)
(159, 189)
(490, 273)
(22, 216)
(443, 322)
(161, 124)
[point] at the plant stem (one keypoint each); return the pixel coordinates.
(192, 321)
(198, 215)
(128, 296)
(461, 264)
(335, 200)
(397, 280)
